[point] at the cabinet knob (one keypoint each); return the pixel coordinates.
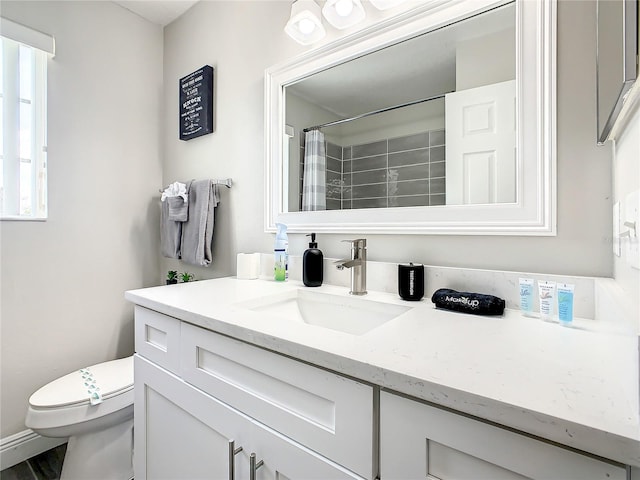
(233, 451)
(253, 466)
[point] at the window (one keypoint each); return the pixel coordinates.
(23, 144)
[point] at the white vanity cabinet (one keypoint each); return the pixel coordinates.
(210, 370)
(421, 441)
(299, 421)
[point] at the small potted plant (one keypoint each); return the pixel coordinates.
(172, 277)
(186, 277)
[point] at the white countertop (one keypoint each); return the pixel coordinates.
(576, 386)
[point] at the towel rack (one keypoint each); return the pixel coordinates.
(227, 182)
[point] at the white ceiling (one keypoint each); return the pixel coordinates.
(161, 12)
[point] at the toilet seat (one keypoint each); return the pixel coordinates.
(65, 401)
(111, 378)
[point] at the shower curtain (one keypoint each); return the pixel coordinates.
(314, 195)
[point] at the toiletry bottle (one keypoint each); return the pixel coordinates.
(411, 281)
(526, 296)
(547, 291)
(281, 253)
(565, 303)
(312, 262)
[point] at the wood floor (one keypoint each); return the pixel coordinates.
(46, 466)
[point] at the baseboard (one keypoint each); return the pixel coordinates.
(24, 445)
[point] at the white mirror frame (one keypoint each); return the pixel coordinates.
(534, 212)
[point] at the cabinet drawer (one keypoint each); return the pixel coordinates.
(157, 338)
(326, 412)
(462, 447)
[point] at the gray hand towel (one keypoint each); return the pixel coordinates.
(171, 227)
(178, 209)
(170, 233)
(197, 232)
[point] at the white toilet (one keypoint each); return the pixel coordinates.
(94, 408)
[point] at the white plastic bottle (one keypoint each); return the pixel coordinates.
(281, 253)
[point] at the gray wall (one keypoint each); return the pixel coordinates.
(209, 33)
(62, 304)
(394, 123)
(486, 60)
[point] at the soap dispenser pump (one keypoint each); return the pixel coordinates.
(312, 264)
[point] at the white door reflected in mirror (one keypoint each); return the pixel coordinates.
(481, 145)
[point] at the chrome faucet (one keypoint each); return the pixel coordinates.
(358, 265)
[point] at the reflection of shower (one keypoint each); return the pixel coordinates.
(376, 112)
(404, 171)
(392, 182)
(334, 188)
(314, 194)
(393, 160)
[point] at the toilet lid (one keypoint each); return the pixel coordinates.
(110, 378)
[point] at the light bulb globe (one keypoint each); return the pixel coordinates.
(306, 26)
(344, 7)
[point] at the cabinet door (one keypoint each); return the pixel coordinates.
(179, 446)
(287, 460)
(172, 439)
(421, 441)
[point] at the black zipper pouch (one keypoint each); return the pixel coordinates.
(475, 303)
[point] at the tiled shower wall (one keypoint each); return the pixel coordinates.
(336, 185)
(396, 172)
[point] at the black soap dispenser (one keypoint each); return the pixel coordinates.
(312, 263)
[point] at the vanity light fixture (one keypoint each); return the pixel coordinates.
(343, 13)
(385, 4)
(305, 24)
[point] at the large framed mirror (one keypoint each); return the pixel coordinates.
(440, 120)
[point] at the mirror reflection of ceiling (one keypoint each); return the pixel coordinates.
(418, 68)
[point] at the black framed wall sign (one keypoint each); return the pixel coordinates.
(196, 103)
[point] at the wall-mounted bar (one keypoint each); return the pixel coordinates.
(375, 112)
(227, 182)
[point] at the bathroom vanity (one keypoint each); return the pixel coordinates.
(229, 384)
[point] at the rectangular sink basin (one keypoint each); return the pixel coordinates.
(353, 315)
